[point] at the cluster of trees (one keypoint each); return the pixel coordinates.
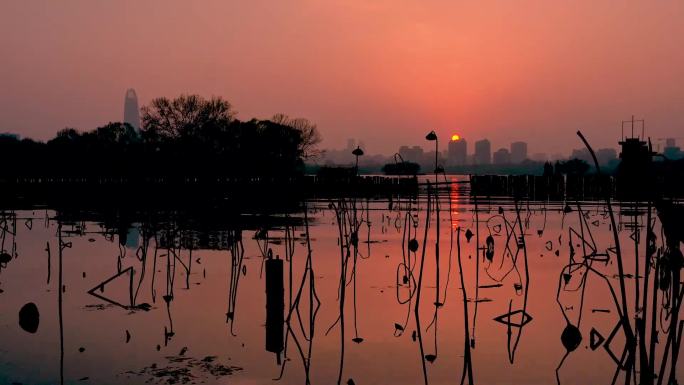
(568, 167)
(188, 136)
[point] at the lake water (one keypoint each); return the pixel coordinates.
(165, 303)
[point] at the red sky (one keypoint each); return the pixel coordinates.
(385, 72)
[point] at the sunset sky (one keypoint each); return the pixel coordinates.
(382, 71)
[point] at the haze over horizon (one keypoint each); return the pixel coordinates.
(375, 71)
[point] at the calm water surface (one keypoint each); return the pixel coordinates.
(165, 304)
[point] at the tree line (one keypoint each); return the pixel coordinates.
(188, 136)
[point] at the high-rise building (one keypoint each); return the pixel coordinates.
(518, 152)
(540, 157)
(502, 156)
(670, 142)
(671, 150)
(412, 154)
(483, 152)
(606, 155)
(582, 154)
(131, 111)
(458, 151)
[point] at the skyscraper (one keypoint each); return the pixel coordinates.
(518, 152)
(483, 152)
(540, 157)
(669, 142)
(671, 151)
(131, 111)
(502, 156)
(582, 154)
(412, 154)
(606, 155)
(458, 151)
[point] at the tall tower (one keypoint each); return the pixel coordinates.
(501, 156)
(483, 152)
(458, 151)
(518, 152)
(131, 111)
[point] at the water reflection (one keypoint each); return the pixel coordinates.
(542, 292)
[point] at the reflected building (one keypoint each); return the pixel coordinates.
(458, 151)
(483, 152)
(131, 110)
(518, 152)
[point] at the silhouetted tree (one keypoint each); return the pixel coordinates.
(309, 135)
(571, 167)
(66, 136)
(117, 134)
(548, 169)
(181, 139)
(187, 117)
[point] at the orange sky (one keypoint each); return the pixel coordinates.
(385, 72)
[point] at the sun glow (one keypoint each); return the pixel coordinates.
(455, 137)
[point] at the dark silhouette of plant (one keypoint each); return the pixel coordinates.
(309, 136)
(548, 169)
(571, 167)
(181, 139)
(188, 117)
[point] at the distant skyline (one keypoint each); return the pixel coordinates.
(518, 150)
(384, 72)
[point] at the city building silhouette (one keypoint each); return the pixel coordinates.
(131, 110)
(458, 151)
(672, 151)
(412, 154)
(606, 156)
(483, 152)
(518, 152)
(581, 154)
(540, 157)
(502, 156)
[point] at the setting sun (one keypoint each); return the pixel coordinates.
(455, 137)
